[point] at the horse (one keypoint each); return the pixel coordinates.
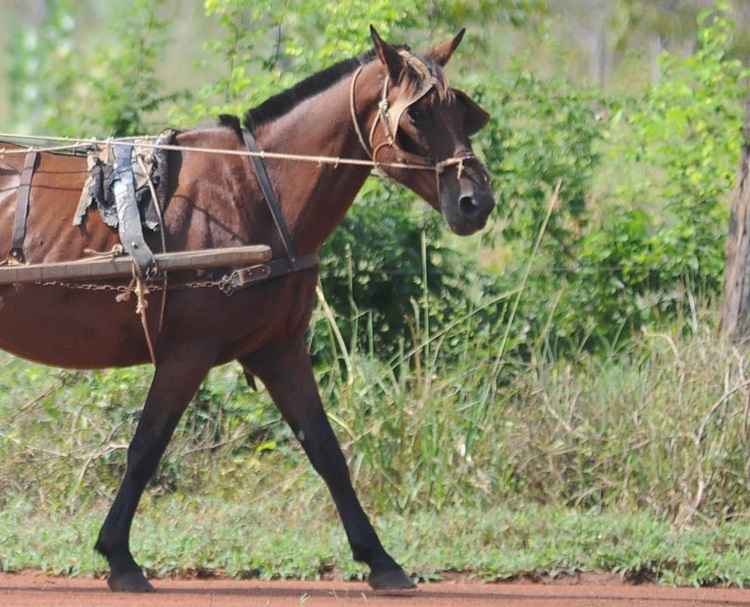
(390, 107)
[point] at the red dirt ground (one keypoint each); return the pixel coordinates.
(33, 589)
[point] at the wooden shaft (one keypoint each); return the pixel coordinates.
(95, 269)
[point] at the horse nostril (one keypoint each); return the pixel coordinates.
(468, 205)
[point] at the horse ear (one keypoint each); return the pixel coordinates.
(388, 56)
(476, 116)
(441, 54)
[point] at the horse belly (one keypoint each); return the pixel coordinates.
(63, 328)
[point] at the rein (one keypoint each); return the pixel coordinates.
(75, 144)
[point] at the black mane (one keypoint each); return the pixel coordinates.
(278, 105)
(282, 103)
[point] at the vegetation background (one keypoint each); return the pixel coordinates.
(549, 397)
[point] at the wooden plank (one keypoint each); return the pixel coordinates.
(119, 267)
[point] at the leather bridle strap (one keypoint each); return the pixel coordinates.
(270, 197)
(390, 124)
(22, 206)
(353, 111)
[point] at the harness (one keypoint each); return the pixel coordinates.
(277, 267)
(389, 116)
(134, 244)
(22, 206)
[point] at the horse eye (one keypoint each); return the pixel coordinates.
(417, 115)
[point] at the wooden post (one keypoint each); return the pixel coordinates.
(735, 309)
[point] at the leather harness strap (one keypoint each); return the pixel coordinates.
(22, 206)
(128, 215)
(270, 196)
(245, 277)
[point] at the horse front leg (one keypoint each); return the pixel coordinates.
(176, 379)
(288, 375)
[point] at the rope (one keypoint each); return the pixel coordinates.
(185, 148)
(115, 251)
(141, 291)
(353, 111)
(162, 232)
(335, 160)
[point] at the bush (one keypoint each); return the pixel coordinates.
(649, 245)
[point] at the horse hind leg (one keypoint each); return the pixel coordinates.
(176, 379)
(288, 375)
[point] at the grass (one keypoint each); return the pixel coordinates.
(272, 538)
(633, 462)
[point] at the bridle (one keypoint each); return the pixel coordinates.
(389, 116)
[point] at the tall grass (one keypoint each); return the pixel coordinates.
(661, 424)
(459, 417)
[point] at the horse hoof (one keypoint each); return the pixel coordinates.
(132, 581)
(392, 582)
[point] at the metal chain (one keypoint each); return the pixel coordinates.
(84, 286)
(121, 289)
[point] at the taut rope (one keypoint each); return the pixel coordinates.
(79, 143)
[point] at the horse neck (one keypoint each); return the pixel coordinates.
(315, 197)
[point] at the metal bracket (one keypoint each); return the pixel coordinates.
(244, 277)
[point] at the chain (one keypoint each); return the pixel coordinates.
(84, 287)
(203, 284)
(122, 289)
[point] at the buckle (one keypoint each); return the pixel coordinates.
(238, 279)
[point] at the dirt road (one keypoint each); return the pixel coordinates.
(31, 590)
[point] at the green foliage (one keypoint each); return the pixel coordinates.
(125, 88)
(655, 239)
(37, 80)
(660, 426)
(541, 133)
(376, 274)
(64, 435)
(662, 239)
(267, 46)
(62, 87)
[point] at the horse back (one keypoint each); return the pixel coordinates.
(56, 186)
(207, 202)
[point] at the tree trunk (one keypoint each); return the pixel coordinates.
(735, 309)
(655, 50)
(600, 52)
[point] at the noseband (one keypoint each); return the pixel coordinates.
(390, 116)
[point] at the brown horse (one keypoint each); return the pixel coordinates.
(215, 201)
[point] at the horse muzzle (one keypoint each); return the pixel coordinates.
(467, 207)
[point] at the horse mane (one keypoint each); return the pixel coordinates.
(282, 103)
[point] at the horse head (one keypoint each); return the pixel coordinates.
(420, 120)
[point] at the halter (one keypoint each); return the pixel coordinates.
(390, 117)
